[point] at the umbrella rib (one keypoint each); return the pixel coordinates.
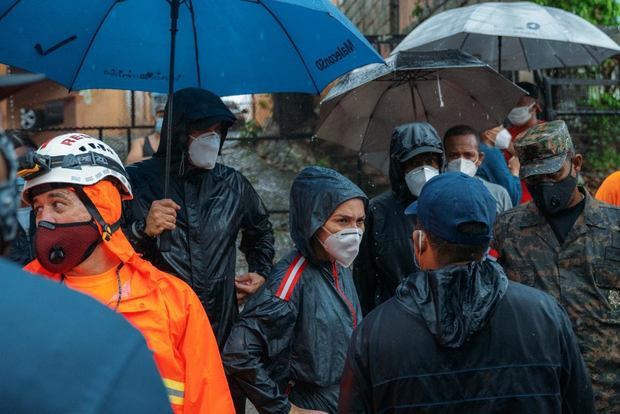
(411, 86)
(372, 114)
(527, 61)
(90, 44)
(415, 89)
(598, 62)
(318, 91)
(560, 60)
(9, 9)
(463, 42)
(191, 11)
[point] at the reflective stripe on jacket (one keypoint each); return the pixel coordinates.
(171, 318)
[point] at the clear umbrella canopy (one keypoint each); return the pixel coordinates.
(521, 35)
(444, 88)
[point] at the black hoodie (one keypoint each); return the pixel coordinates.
(299, 342)
(463, 339)
(386, 255)
(215, 205)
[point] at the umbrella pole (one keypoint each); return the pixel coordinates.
(499, 55)
(165, 237)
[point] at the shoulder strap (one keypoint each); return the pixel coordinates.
(290, 279)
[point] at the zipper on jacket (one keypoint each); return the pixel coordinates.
(342, 294)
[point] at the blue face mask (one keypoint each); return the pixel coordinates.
(159, 121)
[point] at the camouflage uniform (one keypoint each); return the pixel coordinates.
(583, 273)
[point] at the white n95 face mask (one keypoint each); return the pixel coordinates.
(344, 245)
(503, 139)
(203, 150)
(416, 178)
(462, 165)
(520, 115)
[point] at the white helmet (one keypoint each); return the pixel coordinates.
(74, 159)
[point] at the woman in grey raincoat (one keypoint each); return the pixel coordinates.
(288, 349)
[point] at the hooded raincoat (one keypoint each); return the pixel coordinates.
(386, 253)
(169, 315)
(290, 343)
(215, 205)
(463, 339)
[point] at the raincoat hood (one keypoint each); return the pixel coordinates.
(191, 105)
(315, 194)
(455, 301)
(409, 140)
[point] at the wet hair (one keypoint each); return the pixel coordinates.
(461, 130)
(454, 253)
(531, 89)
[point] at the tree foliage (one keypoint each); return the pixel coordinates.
(599, 12)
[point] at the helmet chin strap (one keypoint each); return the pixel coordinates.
(107, 229)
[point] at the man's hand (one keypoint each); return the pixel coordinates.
(514, 166)
(490, 134)
(247, 284)
(162, 216)
(297, 410)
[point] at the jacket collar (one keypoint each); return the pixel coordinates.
(590, 217)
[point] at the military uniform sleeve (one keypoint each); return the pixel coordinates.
(257, 241)
(498, 237)
(137, 387)
(364, 271)
(264, 332)
(576, 387)
(206, 387)
(355, 386)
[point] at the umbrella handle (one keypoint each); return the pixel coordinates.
(165, 241)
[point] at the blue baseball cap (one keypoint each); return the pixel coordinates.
(451, 199)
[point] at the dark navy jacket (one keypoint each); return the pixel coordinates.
(63, 352)
(463, 339)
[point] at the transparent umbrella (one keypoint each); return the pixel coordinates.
(514, 36)
(444, 88)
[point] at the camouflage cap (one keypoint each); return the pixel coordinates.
(542, 148)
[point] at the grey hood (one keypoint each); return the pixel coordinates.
(315, 194)
(455, 301)
(407, 141)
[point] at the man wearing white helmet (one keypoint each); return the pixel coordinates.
(52, 360)
(75, 184)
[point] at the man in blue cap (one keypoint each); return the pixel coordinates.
(458, 336)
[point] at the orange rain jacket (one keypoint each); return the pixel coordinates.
(169, 315)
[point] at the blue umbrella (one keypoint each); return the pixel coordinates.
(230, 47)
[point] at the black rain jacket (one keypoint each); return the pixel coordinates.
(215, 205)
(386, 254)
(292, 349)
(462, 339)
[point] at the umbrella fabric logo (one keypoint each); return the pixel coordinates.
(57, 46)
(340, 53)
(119, 73)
